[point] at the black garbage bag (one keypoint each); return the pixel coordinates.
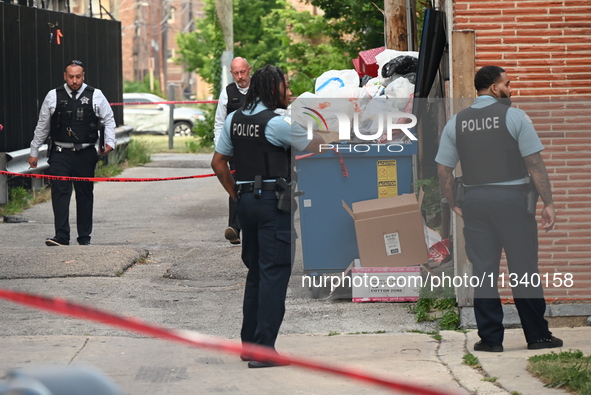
(365, 80)
(403, 64)
(412, 77)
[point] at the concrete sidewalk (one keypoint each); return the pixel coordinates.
(152, 366)
(158, 254)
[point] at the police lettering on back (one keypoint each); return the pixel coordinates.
(245, 130)
(476, 125)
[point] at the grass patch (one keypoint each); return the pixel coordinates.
(366, 333)
(438, 304)
(21, 199)
(142, 261)
(570, 370)
(181, 144)
(138, 152)
(106, 171)
(470, 360)
(333, 333)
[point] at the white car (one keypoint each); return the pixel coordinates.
(154, 118)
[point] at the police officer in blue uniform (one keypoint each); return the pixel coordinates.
(260, 141)
(71, 115)
(498, 147)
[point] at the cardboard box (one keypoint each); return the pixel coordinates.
(390, 231)
(385, 284)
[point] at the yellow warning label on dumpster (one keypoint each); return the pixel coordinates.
(387, 178)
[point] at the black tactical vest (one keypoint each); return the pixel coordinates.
(74, 121)
(253, 154)
(235, 98)
(488, 153)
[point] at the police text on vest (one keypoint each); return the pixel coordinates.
(245, 130)
(480, 124)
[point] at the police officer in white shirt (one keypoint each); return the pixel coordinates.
(71, 115)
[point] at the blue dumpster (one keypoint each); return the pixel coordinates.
(329, 242)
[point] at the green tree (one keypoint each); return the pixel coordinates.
(260, 33)
(309, 52)
(359, 25)
(201, 50)
(265, 32)
(143, 86)
(354, 25)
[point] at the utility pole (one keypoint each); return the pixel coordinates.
(225, 12)
(164, 32)
(395, 25)
(138, 22)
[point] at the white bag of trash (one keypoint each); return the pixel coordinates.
(335, 79)
(400, 88)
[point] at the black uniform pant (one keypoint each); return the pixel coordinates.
(73, 164)
(495, 218)
(267, 252)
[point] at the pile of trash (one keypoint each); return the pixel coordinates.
(341, 96)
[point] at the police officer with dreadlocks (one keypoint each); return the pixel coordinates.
(71, 115)
(260, 141)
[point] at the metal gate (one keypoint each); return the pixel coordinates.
(35, 44)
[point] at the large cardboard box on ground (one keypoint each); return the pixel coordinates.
(390, 231)
(385, 284)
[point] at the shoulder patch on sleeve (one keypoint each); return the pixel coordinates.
(287, 119)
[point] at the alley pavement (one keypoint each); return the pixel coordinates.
(159, 255)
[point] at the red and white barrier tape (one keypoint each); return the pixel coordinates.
(64, 307)
(101, 179)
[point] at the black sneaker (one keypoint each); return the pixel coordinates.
(482, 346)
(85, 243)
(53, 242)
(546, 342)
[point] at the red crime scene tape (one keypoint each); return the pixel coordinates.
(64, 307)
(102, 179)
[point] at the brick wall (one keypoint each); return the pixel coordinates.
(545, 46)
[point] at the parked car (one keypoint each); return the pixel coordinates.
(154, 118)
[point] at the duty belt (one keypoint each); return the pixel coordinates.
(59, 147)
(249, 187)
